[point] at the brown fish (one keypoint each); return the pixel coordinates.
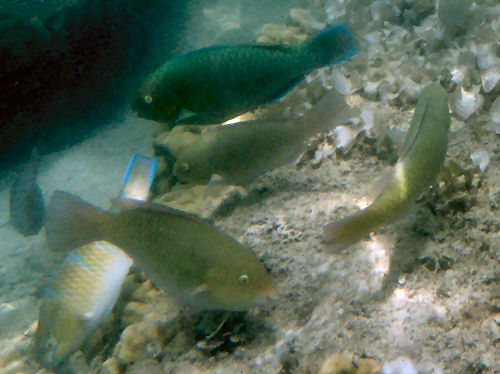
(242, 151)
(189, 258)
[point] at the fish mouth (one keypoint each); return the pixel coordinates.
(270, 296)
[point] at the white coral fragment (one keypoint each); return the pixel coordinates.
(490, 78)
(464, 103)
(480, 158)
(485, 55)
(401, 365)
(495, 111)
(341, 83)
(345, 137)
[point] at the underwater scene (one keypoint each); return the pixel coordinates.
(250, 186)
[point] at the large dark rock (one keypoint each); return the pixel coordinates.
(69, 66)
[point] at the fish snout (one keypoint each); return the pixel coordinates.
(270, 296)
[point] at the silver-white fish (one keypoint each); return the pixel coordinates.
(79, 299)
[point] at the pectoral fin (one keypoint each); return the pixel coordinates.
(196, 293)
(187, 117)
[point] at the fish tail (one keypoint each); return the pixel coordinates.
(331, 46)
(329, 112)
(347, 231)
(71, 222)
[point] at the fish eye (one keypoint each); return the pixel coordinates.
(184, 166)
(243, 279)
(148, 99)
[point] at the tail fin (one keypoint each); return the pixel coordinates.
(347, 231)
(331, 111)
(332, 45)
(71, 222)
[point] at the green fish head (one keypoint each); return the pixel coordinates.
(238, 285)
(188, 169)
(161, 108)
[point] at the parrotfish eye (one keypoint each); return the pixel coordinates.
(243, 279)
(184, 166)
(148, 99)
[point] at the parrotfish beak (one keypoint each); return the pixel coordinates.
(270, 296)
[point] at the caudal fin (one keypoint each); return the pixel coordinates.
(347, 231)
(332, 110)
(71, 222)
(331, 46)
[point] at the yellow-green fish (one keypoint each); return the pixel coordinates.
(79, 299)
(187, 257)
(417, 168)
(219, 82)
(241, 151)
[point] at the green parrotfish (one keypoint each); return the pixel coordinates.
(216, 83)
(79, 299)
(187, 257)
(241, 151)
(423, 156)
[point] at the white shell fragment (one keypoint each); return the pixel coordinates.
(485, 55)
(401, 365)
(480, 158)
(495, 111)
(341, 83)
(490, 78)
(368, 117)
(345, 137)
(464, 103)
